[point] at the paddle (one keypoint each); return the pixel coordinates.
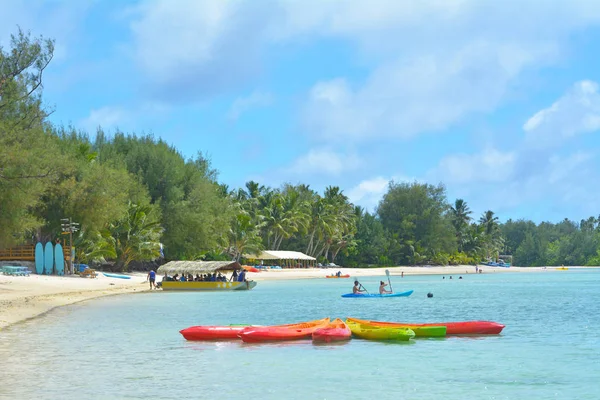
(387, 272)
(360, 284)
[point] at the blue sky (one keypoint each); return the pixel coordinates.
(500, 101)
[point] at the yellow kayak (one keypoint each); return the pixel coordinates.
(379, 333)
(420, 331)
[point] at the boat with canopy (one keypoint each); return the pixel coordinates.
(202, 267)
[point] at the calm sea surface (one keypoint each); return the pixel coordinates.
(129, 347)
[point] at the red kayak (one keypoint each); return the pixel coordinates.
(211, 332)
(302, 330)
(453, 328)
(335, 331)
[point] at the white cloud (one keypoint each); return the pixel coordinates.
(105, 117)
(243, 104)
(434, 63)
(59, 21)
(487, 166)
(404, 97)
(325, 162)
(577, 112)
(368, 192)
(139, 117)
(530, 173)
(430, 63)
(192, 49)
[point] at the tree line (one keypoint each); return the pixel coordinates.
(137, 199)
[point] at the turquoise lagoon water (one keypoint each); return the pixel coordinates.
(129, 347)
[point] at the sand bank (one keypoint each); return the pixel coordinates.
(22, 298)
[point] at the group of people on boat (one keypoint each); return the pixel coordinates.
(358, 288)
(214, 277)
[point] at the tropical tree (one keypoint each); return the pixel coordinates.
(415, 217)
(460, 217)
(135, 237)
(30, 159)
(243, 236)
(493, 241)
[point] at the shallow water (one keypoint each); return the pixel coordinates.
(129, 347)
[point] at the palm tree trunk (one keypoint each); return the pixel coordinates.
(310, 242)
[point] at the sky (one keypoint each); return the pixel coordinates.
(499, 101)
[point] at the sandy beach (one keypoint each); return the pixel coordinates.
(22, 298)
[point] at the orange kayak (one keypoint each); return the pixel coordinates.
(336, 330)
(335, 276)
(301, 330)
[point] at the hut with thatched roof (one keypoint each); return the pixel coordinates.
(197, 267)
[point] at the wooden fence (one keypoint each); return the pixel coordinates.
(19, 253)
(27, 253)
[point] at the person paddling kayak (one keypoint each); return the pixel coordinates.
(357, 288)
(382, 289)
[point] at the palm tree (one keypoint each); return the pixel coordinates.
(489, 221)
(243, 235)
(493, 239)
(285, 215)
(460, 217)
(254, 189)
(135, 237)
(460, 214)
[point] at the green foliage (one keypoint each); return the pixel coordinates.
(459, 258)
(244, 235)
(416, 215)
(29, 159)
(134, 237)
(127, 190)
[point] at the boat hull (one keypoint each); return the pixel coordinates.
(336, 331)
(420, 331)
(373, 295)
(118, 276)
(212, 332)
(452, 328)
(335, 276)
(302, 330)
(207, 286)
(380, 333)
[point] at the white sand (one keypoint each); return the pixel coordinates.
(22, 298)
(307, 273)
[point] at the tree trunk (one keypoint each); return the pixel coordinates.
(310, 242)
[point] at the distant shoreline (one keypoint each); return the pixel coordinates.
(24, 298)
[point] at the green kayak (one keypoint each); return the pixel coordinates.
(376, 333)
(420, 331)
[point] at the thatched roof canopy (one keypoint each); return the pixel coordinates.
(281, 255)
(197, 267)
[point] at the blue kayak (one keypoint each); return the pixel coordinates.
(116, 276)
(364, 295)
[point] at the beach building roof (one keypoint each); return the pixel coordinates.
(197, 267)
(282, 255)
